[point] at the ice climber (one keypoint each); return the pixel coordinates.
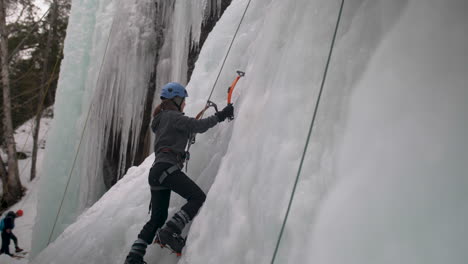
(7, 225)
(172, 130)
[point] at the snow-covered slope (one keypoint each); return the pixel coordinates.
(24, 224)
(384, 175)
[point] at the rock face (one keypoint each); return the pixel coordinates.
(208, 24)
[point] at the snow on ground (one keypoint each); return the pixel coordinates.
(123, 209)
(24, 224)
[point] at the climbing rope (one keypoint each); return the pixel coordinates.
(229, 49)
(309, 133)
(208, 102)
(82, 133)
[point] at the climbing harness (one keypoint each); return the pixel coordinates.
(181, 157)
(168, 172)
(309, 133)
(163, 176)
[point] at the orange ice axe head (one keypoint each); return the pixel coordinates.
(240, 74)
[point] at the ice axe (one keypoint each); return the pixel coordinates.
(240, 74)
(209, 103)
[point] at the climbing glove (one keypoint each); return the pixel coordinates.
(228, 111)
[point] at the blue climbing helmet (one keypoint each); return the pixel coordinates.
(172, 90)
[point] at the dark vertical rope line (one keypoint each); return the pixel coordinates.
(229, 50)
(82, 133)
(309, 134)
(192, 137)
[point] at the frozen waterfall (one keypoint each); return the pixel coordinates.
(384, 178)
(118, 54)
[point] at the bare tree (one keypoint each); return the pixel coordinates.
(44, 84)
(14, 187)
(3, 176)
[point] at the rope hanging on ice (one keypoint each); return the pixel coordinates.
(309, 133)
(82, 134)
(208, 102)
(229, 49)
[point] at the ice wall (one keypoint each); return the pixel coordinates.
(77, 67)
(383, 180)
(403, 160)
(118, 98)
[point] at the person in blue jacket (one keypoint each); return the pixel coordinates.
(7, 225)
(172, 131)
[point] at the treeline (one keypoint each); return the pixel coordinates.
(31, 52)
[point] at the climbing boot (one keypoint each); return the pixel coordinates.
(134, 260)
(167, 238)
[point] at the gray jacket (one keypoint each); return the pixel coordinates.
(173, 129)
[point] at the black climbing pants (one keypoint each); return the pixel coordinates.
(5, 243)
(14, 238)
(161, 194)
